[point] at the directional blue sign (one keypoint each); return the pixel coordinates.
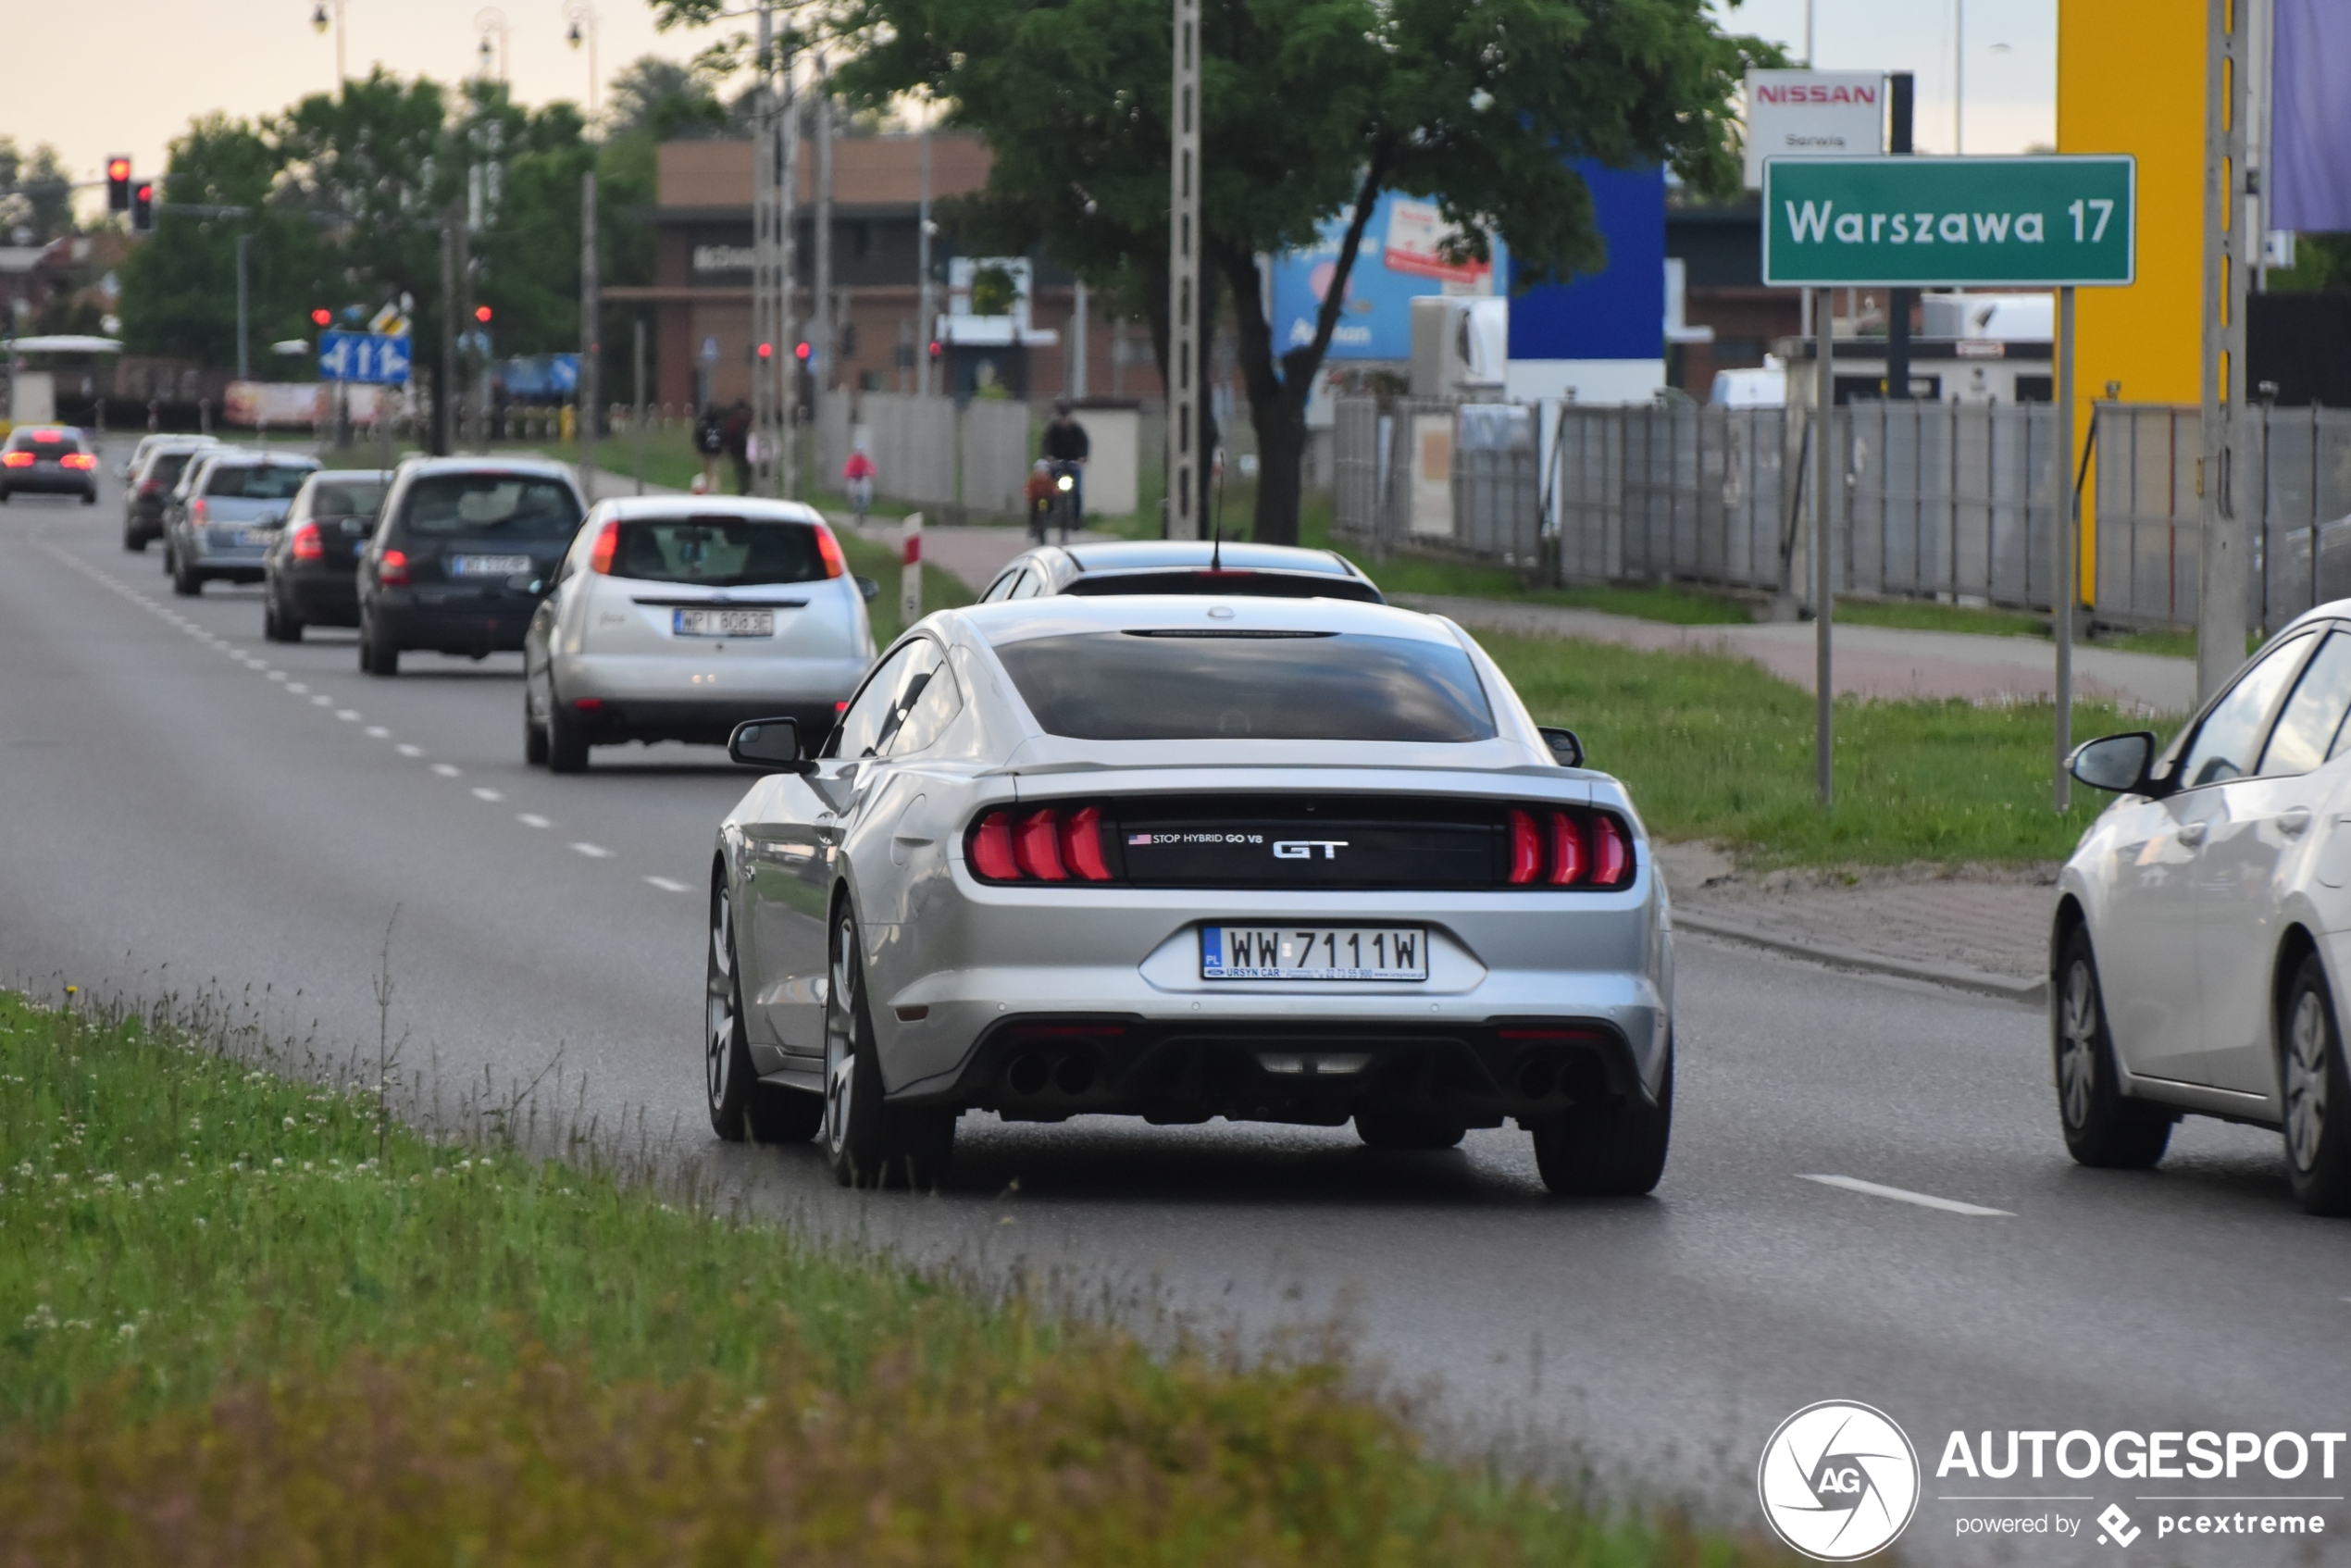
(378, 358)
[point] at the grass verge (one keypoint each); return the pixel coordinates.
(1713, 747)
(247, 1323)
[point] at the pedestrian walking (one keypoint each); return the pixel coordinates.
(857, 477)
(710, 445)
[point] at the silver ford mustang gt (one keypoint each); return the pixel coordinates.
(1275, 860)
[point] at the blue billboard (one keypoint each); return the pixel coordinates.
(1399, 260)
(1618, 312)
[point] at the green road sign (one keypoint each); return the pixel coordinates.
(1901, 222)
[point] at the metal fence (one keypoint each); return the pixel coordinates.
(1438, 476)
(930, 452)
(2150, 505)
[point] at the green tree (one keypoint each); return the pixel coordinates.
(1309, 109)
(36, 197)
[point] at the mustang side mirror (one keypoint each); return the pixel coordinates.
(868, 589)
(2116, 762)
(769, 743)
(1566, 748)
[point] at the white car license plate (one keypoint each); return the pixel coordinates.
(1313, 952)
(723, 623)
(488, 566)
(256, 536)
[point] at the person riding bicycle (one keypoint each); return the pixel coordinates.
(857, 478)
(1067, 446)
(1044, 496)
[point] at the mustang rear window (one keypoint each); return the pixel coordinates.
(1111, 686)
(718, 551)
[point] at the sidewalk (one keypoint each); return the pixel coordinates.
(1979, 928)
(1871, 661)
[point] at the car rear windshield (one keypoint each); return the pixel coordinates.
(257, 481)
(498, 505)
(165, 467)
(1183, 685)
(1227, 584)
(716, 552)
(346, 498)
(45, 441)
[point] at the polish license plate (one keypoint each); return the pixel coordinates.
(1313, 952)
(488, 566)
(723, 623)
(256, 536)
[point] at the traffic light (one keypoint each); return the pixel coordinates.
(935, 351)
(801, 353)
(322, 316)
(481, 314)
(117, 184)
(142, 207)
(766, 351)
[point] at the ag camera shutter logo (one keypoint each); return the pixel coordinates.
(1838, 1481)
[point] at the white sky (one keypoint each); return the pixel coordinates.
(135, 71)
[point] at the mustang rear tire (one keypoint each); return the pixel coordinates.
(1392, 1129)
(867, 1142)
(2103, 1128)
(2316, 1094)
(1609, 1148)
(741, 1106)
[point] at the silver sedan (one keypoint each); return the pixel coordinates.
(1299, 861)
(2202, 925)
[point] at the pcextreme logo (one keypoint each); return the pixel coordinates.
(1838, 1480)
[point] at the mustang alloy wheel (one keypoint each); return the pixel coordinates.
(741, 1106)
(868, 1143)
(2102, 1126)
(1607, 1149)
(2317, 1096)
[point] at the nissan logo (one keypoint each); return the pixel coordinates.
(1303, 849)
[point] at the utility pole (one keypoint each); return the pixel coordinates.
(788, 219)
(245, 371)
(925, 304)
(2224, 478)
(446, 396)
(767, 252)
(1183, 326)
(823, 330)
(591, 397)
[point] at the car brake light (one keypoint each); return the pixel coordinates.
(393, 570)
(148, 487)
(829, 548)
(197, 509)
(1611, 856)
(1526, 849)
(79, 460)
(1037, 847)
(607, 545)
(1567, 850)
(306, 546)
(1050, 844)
(16, 459)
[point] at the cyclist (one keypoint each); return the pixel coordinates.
(1065, 445)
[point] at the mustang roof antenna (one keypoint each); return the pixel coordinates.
(1216, 551)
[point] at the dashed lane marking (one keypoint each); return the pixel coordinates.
(593, 851)
(666, 886)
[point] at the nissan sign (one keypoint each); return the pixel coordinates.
(1812, 114)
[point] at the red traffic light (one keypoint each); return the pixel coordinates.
(481, 313)
(142, 207)
(934, 348)
(322, 316)
(766, 351)
(801, 353)
(117, 184)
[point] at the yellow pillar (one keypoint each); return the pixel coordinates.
(2131, 80)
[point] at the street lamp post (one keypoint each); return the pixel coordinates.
(582, 17)
(321, 20)
(487, 20)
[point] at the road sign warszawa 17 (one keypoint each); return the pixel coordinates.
(1896, 222)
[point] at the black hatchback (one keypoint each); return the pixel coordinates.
(311, 574)
(48, 460)
(462, 552)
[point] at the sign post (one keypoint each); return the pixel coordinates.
(2049, 222)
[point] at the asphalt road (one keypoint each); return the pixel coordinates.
(185, 806)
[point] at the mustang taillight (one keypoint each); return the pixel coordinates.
(306, 546)
(1558, 849)
(1038, 844)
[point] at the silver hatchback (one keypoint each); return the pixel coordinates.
(1301, 861)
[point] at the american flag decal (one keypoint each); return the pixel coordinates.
(1139, 838)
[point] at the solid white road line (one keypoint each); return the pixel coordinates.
(593, 851)
(666, 886)
(447, 770)
(533, 819)
(1923, 1200)
(482, 794)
